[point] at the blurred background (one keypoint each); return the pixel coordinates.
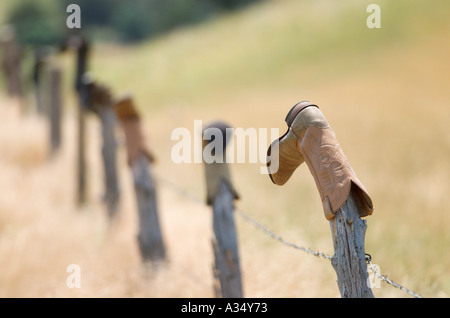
(384, 91)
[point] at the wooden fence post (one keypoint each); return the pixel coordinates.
(100, 101)
(310, 139)
(40, 62)
(11, 62)
(150, 237)
(82, 47)
(55, 109)
(220, 195)
(81, 156)
(348, 233)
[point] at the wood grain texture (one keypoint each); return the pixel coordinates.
(348, 232)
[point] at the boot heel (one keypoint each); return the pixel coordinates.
(296, 109)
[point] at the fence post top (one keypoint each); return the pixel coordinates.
(125, 108)
(210, 131)
(75, 41)
(129, 117)
(99, 95)
(217, 172)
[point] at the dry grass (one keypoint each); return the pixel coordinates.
(42, 232)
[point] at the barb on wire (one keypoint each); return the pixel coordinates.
(277, 237)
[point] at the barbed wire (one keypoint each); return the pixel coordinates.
(277, 237)
(246, 217)
(388, 281)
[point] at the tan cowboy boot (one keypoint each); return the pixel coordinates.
(131, 122)
(309, 138)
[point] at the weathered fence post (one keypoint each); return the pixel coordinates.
(40, 55)
(348, 232)
(82, 47)
(150, 237)
(220, 195)
(81, 154)
(100, 101)
(82, 57)
(344, 198)
(55, 109)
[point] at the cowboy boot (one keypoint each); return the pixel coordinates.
(131, 122)
(310, 139)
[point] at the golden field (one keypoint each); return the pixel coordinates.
(385, 92)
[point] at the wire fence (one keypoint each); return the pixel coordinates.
(182, 192)
(276, 236)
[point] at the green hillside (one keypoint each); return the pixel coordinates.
(264, 46)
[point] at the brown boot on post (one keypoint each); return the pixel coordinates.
(309, 138)
(345, 200)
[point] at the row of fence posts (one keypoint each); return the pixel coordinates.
(348, 230)
(97, 98)
(92, 98)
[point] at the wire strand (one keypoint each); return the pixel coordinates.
(277, 237)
